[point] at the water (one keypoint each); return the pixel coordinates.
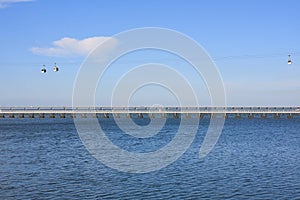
(253, 159)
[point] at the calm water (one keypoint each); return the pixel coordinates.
(254, 159)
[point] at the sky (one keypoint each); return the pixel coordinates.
(249, 41)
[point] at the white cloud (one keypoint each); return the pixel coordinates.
(5, 3)
(71, 47)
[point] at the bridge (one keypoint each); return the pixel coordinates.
(151, 112)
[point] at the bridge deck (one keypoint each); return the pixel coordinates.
(150, 110)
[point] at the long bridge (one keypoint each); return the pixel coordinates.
(151, 112)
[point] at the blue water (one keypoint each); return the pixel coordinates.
(253, 159)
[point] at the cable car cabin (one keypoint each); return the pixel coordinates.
(55, 69)
(289, 60)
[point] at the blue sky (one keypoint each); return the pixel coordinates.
(249, 41)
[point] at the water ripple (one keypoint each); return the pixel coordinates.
(254, 159)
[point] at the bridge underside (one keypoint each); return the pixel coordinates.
(150, 112)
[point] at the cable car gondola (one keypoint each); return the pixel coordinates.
(55, 68)
(289, 60)
(43, 70)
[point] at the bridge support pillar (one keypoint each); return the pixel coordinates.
(238, 116)
(264, 116)
(250, 116)
(2, 116)
(73, 116)
(21, 115)
(276, 116)
(200, 115)
(11, 116)
(187, 115)
(31, 115)
(175, 115)
(106, 116)
(290, 116)
(140, 115)
(42, 115)
(151, 115)
(116, 115)
(62, 116)
(52, 115)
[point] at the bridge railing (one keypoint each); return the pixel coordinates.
(156, 109)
